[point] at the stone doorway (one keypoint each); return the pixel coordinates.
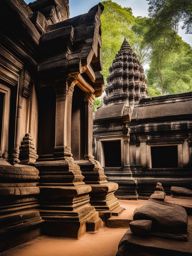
(2, 96)
(164, 156)
(4, 119)
(47, 122)
(78, 129)
(112, 153)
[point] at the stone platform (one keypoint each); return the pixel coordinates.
(155, 246)
(126, 216)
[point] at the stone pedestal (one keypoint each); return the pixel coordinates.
(19, 215)
(65, 202)
(102, 194)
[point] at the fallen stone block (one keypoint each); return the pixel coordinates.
(168, 220)
(158, 195)
(181, 191)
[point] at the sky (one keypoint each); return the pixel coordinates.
(139, 8)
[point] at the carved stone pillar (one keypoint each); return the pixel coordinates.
(89, 127)
(102, 194)
(65, 201)
(180, 155)
(143, 154)
(126, 157)
(63, 121)
(186, 153)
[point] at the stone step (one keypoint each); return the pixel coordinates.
(126, 216)
(121, 221)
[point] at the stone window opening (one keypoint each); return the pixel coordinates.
(2, 99)
(4, 120)
(164, 156)
(112, 153)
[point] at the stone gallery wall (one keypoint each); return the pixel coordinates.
(141, 140)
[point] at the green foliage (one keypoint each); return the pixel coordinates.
(116, 24)
(168, 13)
(97, 104)
(167, 56)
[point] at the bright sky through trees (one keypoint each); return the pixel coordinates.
(139, 7)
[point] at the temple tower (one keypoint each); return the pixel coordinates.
(126, 87)
(126, 82)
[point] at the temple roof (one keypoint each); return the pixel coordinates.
(73, 47)
(126, 82)
(163, 107)
(114, 111)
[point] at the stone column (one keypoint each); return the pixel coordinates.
(15, 154)
(143, 154)
(186, 153)
(126, 157)
(137, 155)
(180, 155)
(102, 194)
(148, 152)
(63, 120)
(89, 127)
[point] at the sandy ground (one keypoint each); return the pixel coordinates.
(103, 243)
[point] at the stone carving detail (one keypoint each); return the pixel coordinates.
(18, 204)
(28, 153)
(26, 84)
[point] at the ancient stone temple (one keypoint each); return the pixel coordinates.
(141, 140)
(49, 76)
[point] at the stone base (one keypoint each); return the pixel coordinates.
(65, 201)
(19, 215)
(72, 226)
(102, 194)
(104, 200)
(67, 212)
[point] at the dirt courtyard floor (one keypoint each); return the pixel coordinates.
(103, 243)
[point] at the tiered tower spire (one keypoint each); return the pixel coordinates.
(126, 82)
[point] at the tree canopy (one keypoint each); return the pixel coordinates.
(168, 13)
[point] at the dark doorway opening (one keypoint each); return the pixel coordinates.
(2, 96)
(78, 122)
(112, 153)
(164, 157)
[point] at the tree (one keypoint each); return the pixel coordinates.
(168, 14)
